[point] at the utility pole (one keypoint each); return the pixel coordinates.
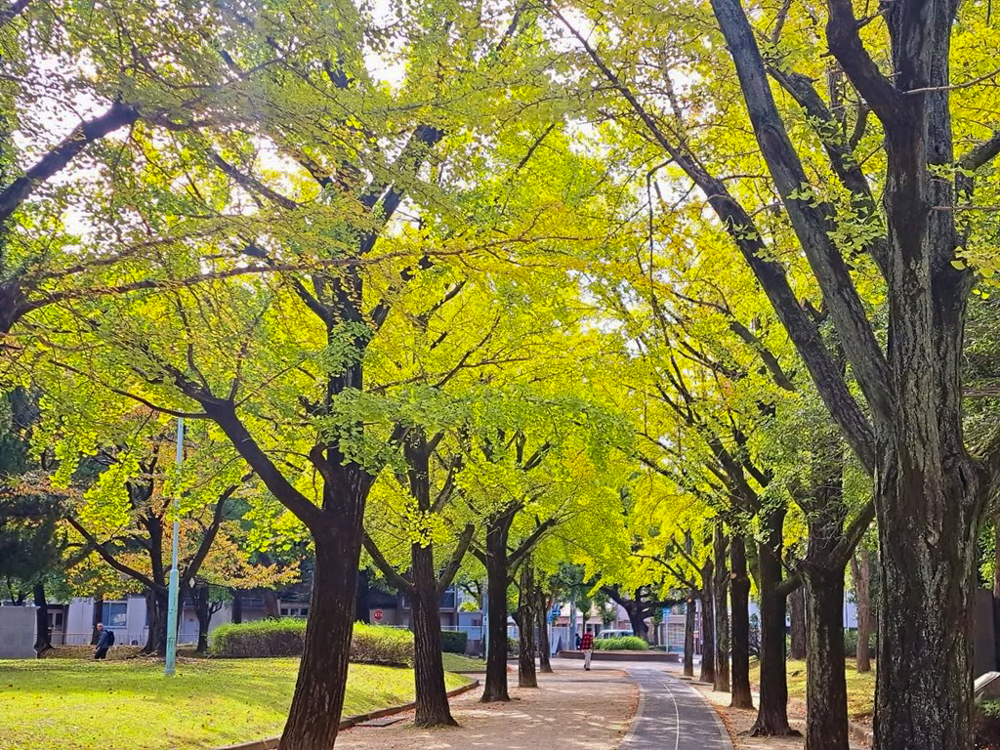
(172, 590)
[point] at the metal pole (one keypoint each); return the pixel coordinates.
(486, 622)
(172, 592)
(572, 624)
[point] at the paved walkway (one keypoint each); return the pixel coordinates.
(573, 710)
(672, 715)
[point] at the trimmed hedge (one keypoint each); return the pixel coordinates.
(628, 643)
(454, 642)
(371, 644)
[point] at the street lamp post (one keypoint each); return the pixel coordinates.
(174, 584)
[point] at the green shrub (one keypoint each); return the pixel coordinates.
(377, 644)
(512, 646)
(371, 644)
(851, 643)
(628, 643)
(259, 638)
(454, 642)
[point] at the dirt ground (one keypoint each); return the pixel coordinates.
(739, 722)
(575, 709)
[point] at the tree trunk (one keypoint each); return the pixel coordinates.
(772, 714)
(43, 639)
(318, 701)
(432, 696)
(96, 616)
(237, 607)
(797, 616)
(526, 675)
(640, 628)
(707, 625)
(362, 611)
(826, 684)
(721, 609)
(689, 621)
(861, 573)
(271, 610)
(924, 697)
(497, 530)
(739, 594)
(203, 611)
(544, 646)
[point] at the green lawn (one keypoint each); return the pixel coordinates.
(860, 687)
(83, 705)
(459, 663)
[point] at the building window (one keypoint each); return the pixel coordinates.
(295, 611)
(115, 614)
(55, 619)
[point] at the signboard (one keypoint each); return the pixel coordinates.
(377, 615)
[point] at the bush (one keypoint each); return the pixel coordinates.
(259, 638)
(512, 646)
(376, 644)
(454, 642)
(851, 643)
(371, 644)
(628, 643)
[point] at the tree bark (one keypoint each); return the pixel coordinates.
(318, 701)
(203, 611)
(271, 610)
(526, 674)
(636, 618)
(96, 618)
(544, 646)
(826, 684)
(721, 608)
(237, 607)
(432, 695)
(772, 714)
(861, 574)
(739, 593)
(689, 622)
(707, 624)
(797, 616)
(497, 531)
(43, 639)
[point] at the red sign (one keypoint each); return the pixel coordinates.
(377, 615)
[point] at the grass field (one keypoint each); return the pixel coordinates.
(459, 663)
(860, 687)
(129, 705)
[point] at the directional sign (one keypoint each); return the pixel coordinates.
(377, 615)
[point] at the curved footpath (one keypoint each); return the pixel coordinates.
(672, 715)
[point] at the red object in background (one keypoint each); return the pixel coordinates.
(377, 615)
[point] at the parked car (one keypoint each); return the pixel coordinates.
(613, 634)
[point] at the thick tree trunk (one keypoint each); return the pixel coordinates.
(43, 639)
(739, 594)
(432, 696)
(203, 611)
(707, 625)
(237, 607)
(924, 697)
(861, 573)
(318, 701)
(640, 628)
(797, 617)
(362, 611)
(721, 608)
(96, 618)
(689, 622)
(497, 531)
(271, 610)
(826, 685)
(772, 714)
(544, 646)
(526, 674)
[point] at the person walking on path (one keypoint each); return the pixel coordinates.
(105, 640)
(587, 646)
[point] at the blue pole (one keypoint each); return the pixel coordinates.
(168, 670)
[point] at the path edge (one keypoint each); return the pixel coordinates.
(627, 739)
(272, 742)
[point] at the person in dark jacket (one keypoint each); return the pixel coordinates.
(105, 640)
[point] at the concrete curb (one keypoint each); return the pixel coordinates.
(272, 742)
(627, 739)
